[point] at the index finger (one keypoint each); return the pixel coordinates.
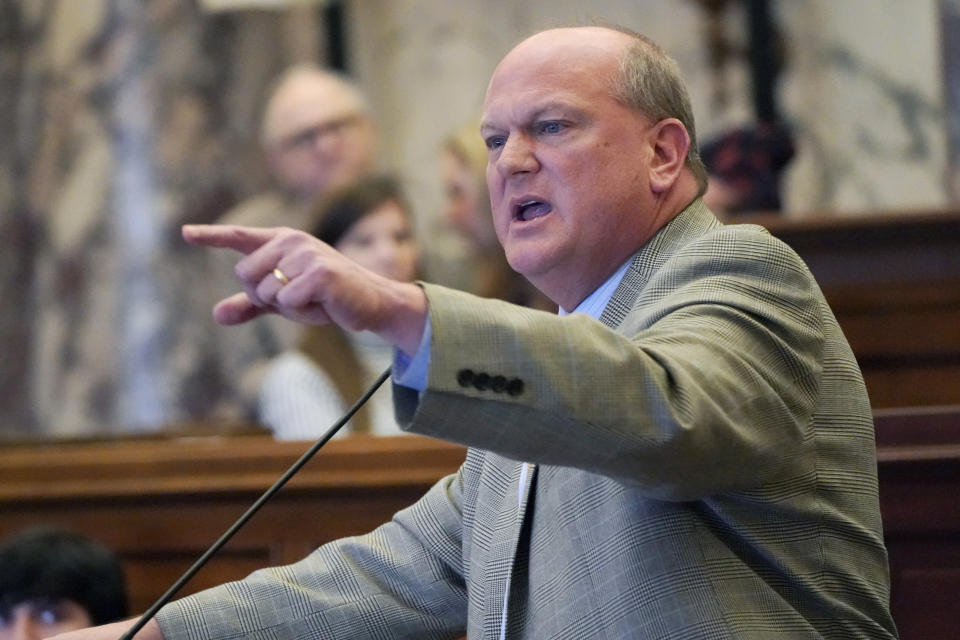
(227, 236)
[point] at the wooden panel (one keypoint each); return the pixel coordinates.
(913, 385)
(161, 503)
(918, 452)
(925, 588)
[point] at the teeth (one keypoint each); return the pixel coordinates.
(531, 209)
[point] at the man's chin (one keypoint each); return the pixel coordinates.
(531, 264)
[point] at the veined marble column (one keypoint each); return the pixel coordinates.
(950, 28)
(130, 118)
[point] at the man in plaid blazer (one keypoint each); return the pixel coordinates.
(687, 454)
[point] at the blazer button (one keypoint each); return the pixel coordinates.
(481, 381)
(498, 384)
(515, 386)
(465, 377)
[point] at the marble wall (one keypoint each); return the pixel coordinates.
(950, 33)
(865, 91)
(123, 119)
(863, 87)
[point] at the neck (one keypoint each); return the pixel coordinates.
(568, 291)
(669, 203)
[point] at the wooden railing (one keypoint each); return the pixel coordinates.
(918, 463)
(160, 503)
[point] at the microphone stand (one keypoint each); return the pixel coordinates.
(242, 520)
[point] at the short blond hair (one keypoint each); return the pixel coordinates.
(467, 145)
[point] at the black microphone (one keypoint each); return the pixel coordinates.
(242, 520)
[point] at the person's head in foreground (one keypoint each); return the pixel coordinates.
(591, 150)
(53, 581)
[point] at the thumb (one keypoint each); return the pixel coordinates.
(237, 309)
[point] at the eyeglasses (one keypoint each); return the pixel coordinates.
(307, 138)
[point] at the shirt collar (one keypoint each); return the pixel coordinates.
(594, 304)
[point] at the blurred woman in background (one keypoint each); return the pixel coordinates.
(305, 391)
(467, 211)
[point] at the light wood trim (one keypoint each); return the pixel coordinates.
(210, 465)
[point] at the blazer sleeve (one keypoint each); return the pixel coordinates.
(403, 580)
(707, 385)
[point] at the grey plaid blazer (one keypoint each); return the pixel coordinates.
(701, 465)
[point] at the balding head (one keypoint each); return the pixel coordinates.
(644, 78)
(317, 131)
(579, 177)
(571, 43)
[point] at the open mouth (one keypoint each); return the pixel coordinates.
(531, 209)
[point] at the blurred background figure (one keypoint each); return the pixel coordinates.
(53, 581)
(745, 166)
(304, 391)
(467, 211)
(317, 135)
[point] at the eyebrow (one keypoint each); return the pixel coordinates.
(538, 113)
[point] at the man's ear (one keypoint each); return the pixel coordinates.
(670, 142)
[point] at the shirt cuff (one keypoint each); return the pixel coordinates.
(412, 372)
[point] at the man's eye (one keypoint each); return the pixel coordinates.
(302, 139)
(550, 127)
(495, 142)
(360, 242)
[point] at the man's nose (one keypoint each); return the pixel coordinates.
(516, 156)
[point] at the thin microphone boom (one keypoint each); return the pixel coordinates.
(242, 520)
